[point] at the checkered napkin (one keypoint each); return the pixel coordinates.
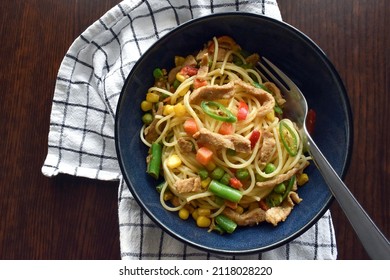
(81, 138)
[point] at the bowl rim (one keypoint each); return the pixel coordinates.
(348, 120)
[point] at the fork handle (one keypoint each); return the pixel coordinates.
(372, 239)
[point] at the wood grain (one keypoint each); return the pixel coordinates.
(75, 218)
(354, 36)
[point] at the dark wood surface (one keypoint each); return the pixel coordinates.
(75, 218)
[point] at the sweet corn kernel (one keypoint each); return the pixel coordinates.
(180, 77)
(184, 213)
(173, 161)
(146, 105)
(270, 116)
(302, 179)
(205, 183)
(195, 214)
(204, 212)
(211, 166)
(152, 97)
(168, 109)
(179, 109)
(239, 209)
(167, 196)
(203, 221)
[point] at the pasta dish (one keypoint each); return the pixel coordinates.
(218, 140)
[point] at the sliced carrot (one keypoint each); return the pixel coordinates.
(226, 128)
(204, 155)
(190, 126)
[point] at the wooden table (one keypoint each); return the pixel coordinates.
(75, 218)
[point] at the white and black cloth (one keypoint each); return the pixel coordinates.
(81, 137)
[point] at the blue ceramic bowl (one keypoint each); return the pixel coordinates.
(301, 59)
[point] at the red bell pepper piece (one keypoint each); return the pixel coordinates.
(189, 70)
(255, 136)
(242, 111)
(235, 183)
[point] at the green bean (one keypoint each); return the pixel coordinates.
(225, 223)
(263, 87)
(289, 187)
(224, 191)
(278, 109)
(155, 160)
(218, 229)
(274, 199)
(160, 187)
(176, 84)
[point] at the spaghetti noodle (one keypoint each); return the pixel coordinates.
(217, 136)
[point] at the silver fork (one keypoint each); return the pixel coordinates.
(295, 108)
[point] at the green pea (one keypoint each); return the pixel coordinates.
(217, 173)
(225, 179)
(147, 118)
(203, 173)
(269, 168)
(259, 178)
(157, 73)
(242, 174)
(280, 188)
